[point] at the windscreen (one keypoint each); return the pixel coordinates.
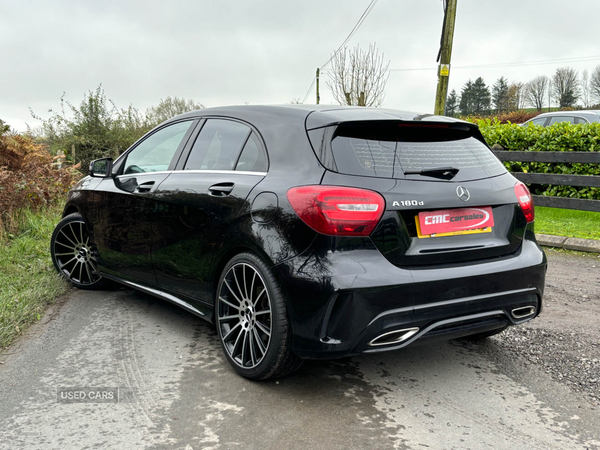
(392, 150)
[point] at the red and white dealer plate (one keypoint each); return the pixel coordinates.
(450, 222)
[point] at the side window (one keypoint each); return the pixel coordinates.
(218, 145)
(253, 157)
(541, 121)
(155, 153)
(581, 120)
(557, 119)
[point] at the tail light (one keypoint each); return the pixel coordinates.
(525, 201)
(337, 211)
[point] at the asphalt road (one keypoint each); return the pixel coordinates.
(178, 392)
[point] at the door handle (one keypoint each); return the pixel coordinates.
(145, 187)
(221, 189)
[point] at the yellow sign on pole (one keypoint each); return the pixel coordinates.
(444, 70)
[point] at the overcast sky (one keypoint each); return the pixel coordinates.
(221, 52)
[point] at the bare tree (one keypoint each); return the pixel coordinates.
(565, 86)
(585, 89)
(358, 78)
(535, 91)
(515, 96)
(595, 85)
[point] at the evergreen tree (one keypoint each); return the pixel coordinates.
(466, 99)
(500, 95)
(452, 104)
(481, 97)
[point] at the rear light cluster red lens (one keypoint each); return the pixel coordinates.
(337, 211)
(525, 201)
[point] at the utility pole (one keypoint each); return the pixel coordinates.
(318, 97)
(444, 57)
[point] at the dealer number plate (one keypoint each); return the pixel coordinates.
(450, 222)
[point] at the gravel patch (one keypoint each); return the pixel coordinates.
(566, 356)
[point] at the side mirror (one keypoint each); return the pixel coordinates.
(101, 168)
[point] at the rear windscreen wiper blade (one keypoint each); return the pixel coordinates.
(446, 173)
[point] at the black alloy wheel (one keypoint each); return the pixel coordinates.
(252, 320)
(73, 254)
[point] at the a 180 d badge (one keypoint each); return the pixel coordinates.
(408, 203)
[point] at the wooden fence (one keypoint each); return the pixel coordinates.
(555, 179)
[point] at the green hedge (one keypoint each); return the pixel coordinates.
(560, 137)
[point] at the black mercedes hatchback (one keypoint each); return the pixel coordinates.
(311, 232)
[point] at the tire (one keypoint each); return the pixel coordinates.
(73, 255)
(252, 321)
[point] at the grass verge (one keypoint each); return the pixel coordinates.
(567, 222)
(28, 281)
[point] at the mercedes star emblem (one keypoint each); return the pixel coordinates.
(463, 193)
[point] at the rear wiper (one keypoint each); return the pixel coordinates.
(445, 173)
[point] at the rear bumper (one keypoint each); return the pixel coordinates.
(340, 301)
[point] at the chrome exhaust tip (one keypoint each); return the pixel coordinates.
(393, 337)
(523, 312)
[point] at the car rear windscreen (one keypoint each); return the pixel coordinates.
(389, 151)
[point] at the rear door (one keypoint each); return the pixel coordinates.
(126, 210)
(200, 200)
(448, 198)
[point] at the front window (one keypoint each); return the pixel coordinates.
(155, 153)
(541, 121)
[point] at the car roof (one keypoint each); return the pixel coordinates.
(587, 112)
(314, 116)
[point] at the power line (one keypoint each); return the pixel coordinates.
(512, 64)
(309, 89)
(354, 30)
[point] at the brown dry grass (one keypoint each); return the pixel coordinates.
(30, 178)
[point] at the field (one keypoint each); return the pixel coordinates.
(567, 222)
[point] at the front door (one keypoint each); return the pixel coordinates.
(126, 210)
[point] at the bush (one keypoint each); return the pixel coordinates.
(560, 137)
(29, 179)
(98, 129)
(509, 117)
(95, 129)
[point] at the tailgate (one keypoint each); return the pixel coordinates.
(448, 199)
(397, 234)
(445, 229)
